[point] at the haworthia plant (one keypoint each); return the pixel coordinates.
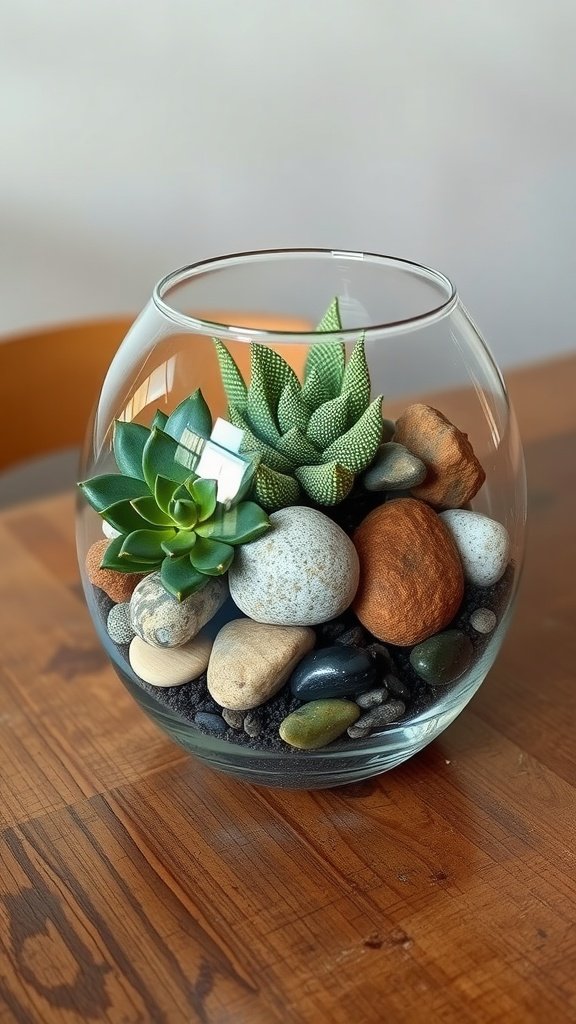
(167, 517)
(313, 436)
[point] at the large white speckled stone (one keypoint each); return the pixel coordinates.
(304, 571)
(170, 667)
(483, 544)
(251, 661)
(162, 621)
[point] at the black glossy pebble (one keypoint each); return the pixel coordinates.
(336, 671)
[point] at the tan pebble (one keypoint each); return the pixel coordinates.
(411, 576)
(118, 585)
(454, 473)
(251, 661)
(171, 666)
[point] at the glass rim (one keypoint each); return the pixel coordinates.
(243, 333)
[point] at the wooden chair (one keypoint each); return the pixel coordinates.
(49, 382)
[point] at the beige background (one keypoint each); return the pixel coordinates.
(140, 135)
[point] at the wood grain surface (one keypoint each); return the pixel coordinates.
(137, 886)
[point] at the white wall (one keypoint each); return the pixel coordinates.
(140, 135)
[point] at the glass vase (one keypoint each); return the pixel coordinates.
(330, 603)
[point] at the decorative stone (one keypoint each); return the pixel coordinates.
(159, 619)
(251, 661)
(318, 723)
(388, 429)
(235, 719)
(454, 474)
(303, 572)
(333, 672)
(253, 724)
(483, 544)
(396, 688)
(411, 578)
(376, 718)
(354, 637)
(382, 656)
(118, 585)
(209, 722)
(372, 698)
(109, 531)
(169, 666)
(483, 620)
(394, 469)
(444, 658)
(118, 623)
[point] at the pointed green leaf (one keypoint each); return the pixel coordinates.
(331, 321)
(274, 490)
(112, 560)
(181, 544)
(180, 578)
(356, 382)
(160, 419)
(204, 493)
(102, 491)
(232, 379)
(329, 421)
(300, 450)
(269, 367)
(190, 420)
(164, 492)
(326, 485)
(211, 557)
(146, 545)
(238, 525)
(292, 411)
(253, 444)
(184, 512)
(124, 517)
(149, 510)
(128, 443)
(358, 446)
(328, 358)
(259, 410)
(163, 456)
(314, 391)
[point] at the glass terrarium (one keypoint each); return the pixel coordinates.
(301, 522)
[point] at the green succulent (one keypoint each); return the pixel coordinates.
(313, 436)
(169, 518)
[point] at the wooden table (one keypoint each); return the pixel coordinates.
(137, 886)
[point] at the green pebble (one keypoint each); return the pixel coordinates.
(443, 658)
(318, 723)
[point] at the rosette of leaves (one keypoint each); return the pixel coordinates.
(169, 518)
(313, 436)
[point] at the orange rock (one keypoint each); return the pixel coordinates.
(454, 473)
(118, 585)
(411, 576)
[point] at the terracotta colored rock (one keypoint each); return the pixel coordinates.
(118, 585)
(411, 576)
(454, 473)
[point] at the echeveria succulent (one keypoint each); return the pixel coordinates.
(169, 518)
(315, 436)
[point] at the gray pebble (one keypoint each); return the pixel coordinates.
(235, 719)
(372, 698)
(396, 687)
(381, 655)
(483, 620)
(376, 718)
(353, 637)
(253, 724)
(394, 469)
(211, 723)
(118, 623)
